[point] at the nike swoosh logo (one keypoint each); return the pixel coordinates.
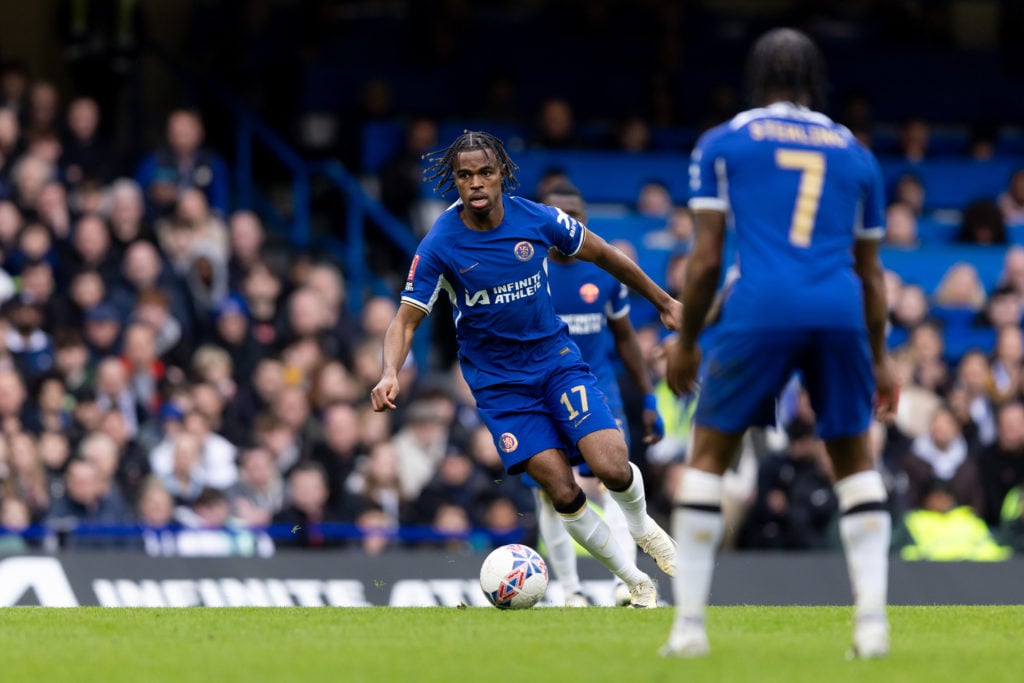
(578, 422)
(466, 270)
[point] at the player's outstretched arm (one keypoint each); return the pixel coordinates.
(628, 349)
(607, 257)
(397, 342)
(702, 274)
(868, 265)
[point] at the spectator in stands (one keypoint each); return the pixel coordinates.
(11, 149)
(401, 177)
(53, 211)
(43, 109)
(27, 474)
(184, 163)
(306, 509)
(915, 136)
(71, 359)
(31, 348)
(83, 502)
(961, 287)
(85, 153)
(155, 513)
(927, 348)
(144, 368)
(15, 519)
(974, 376)
(555, 127)
(678, 234)
(375, 484)
(1005, 307)
(633, 134)
(48, 408)
(91, 245)
(1011, 200)
(377, 528)
(332, 383)
(184, 478)
(982, 146)
(982, 224)
(654, 200)
(132, 458)
(795, 507)
(125, 209)
(1012, 276)
(901, 226)
(103, 452)
(420, 444)
(259, 493)
(551, 177)
(458, 482)
(246, 238)
(1001, 465)
(153, 309)
(909, 309)
(142, 269)
(942, 454)
(262, 288)
(114, 392)
(943, 529)
(30, 175)
(86, 291)
(338, 448)
(1007, 360)
(910, 190)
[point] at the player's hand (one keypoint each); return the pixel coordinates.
(887, 396)
(654, 426)
(384, 394)
(682, 362)
(672, 315)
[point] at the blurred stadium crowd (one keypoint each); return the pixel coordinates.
(174, 378)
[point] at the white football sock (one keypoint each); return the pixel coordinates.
(560, 549)
(620, 528)
(697, 527)
(633, 504)
(590, 531)
(866, 528)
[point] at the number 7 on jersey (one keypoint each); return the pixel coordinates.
(808, 195)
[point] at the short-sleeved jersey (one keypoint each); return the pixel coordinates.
(497, 280)
(585, 298)
(801, 190)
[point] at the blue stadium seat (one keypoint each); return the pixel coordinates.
(952, 183)
(926, 266)
(381, 141)
(931, 231)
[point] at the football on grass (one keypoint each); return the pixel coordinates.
(514, 577)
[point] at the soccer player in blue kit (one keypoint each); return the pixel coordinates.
(488, 253)
(807, 203)
(595, 306)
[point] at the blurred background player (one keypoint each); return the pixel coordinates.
(533, 390)
(595, 306)
(807, 201)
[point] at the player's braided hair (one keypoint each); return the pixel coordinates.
(786, 62)
(442, 162)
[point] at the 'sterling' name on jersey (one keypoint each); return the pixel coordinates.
(782, 131)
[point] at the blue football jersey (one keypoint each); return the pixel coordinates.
(801, 189)
(497, 280)
(586, 297)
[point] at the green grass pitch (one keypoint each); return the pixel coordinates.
(381, 645)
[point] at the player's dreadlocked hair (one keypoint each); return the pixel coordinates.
(442, 162)
(785, 62)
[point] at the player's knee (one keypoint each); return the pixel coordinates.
(562, 493)
(614, 473)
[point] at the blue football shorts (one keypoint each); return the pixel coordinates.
(554, 411)
(744, 371)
